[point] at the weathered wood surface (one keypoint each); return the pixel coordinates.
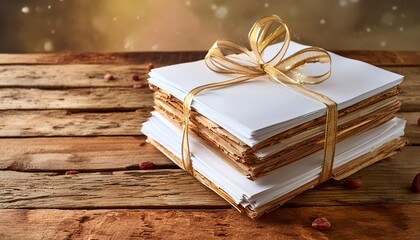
(358, 222)
(412, 129)
(92, 75)
(119, 58)
(57, 113)
(410, 99)
(122, 189)
(97, 154)
(382, 58)
(70, 76)
(411, 75)
(110, 99)
(385, 182)
(86, 154)
(66, 123)
(52, 80)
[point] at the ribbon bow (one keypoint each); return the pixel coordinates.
(229, 57)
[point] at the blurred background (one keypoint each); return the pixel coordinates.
(173, 25)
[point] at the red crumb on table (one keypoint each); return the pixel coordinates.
(415, 185)
(353, 183)
(138, 86)
(321, 223)
(135, 77)
(71, 172)
(109, 77)
(147, 166)
(150, 66)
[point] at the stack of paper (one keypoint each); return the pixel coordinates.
(259, 143)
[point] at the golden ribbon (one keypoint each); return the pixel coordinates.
(226, 56)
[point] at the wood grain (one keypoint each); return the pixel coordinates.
(92, 98)
(92, 75)
(49, 114)
(117, 98)
(88, 154)
(85, 154)
(385, 182)
(410, 103)
(111, 95)
(102, 58)
(412, 129)
(411, 76)
(123, 189)
(66, 123)
(382, 58)
(70, 76)
(348, 222)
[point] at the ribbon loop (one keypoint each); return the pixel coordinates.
(230, 57)
(259, 40)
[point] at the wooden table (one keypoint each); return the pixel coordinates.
(59, 114)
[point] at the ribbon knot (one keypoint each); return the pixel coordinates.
(263, 66)
(229, 57)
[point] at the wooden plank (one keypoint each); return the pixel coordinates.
(65, 76)
(92, 75)
(410, 87)
(385, 182)
(411, 76)
(116, 98)
(82, 154)
(412, 129)
(381, 58)
(93, 98)
(109, 98)
(410, 99)
(88, 154)
(103, 58)
(65, 123)
(124, 98)
(348, 222)
(123, 189)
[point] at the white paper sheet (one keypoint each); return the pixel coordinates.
(259, 109)
(214, 167)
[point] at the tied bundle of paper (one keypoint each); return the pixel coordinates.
(259, 127)
(290, 145)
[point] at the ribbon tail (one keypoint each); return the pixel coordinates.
(331, 119)
(330, 130)
(330, 139)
